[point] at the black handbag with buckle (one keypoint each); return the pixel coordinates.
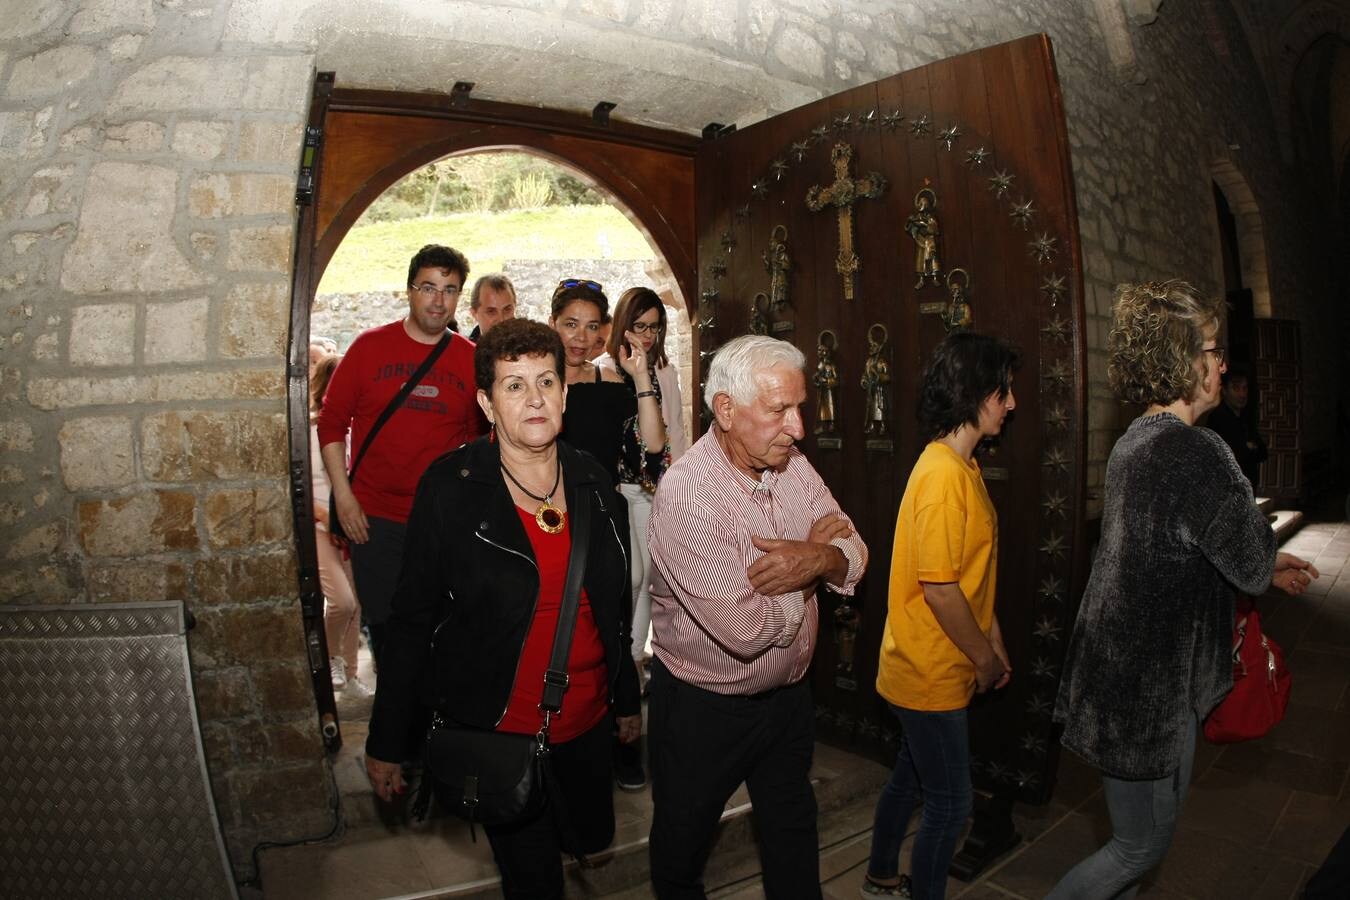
(496, 778)
(487, 777)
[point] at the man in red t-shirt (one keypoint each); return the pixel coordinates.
(440, 414)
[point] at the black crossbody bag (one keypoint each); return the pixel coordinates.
(494, 777)
(335, 526)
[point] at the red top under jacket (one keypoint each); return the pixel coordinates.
(586, 700)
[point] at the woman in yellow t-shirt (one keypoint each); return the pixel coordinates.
(942, 642)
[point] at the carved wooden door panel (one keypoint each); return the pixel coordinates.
(1278, 373)
(979, 142)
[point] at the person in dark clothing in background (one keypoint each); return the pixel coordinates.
(1232, 423)
(492, 300)
(616, 420)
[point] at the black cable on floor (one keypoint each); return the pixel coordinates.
(255, 880)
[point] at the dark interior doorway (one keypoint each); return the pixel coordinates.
(1241, 311)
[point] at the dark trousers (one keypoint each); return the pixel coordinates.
(701, 746)
(375, 565)
(529, 853)
(1333, 878)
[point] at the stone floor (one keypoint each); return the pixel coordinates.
(1260, 817)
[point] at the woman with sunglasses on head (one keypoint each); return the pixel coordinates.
(641, 313)
(600, 401)
(615, 417)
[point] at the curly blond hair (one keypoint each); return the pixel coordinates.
(1156, 337)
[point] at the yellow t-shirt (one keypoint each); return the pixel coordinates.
(946, 531)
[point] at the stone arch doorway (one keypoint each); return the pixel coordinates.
(614, 267)
(360, 142)
(1250, 233)
(663, 274)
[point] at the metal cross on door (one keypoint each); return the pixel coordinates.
(842, 195)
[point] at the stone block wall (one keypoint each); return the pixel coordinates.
(145, 266)
(147, 157)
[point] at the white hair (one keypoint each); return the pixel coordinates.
(735, 363)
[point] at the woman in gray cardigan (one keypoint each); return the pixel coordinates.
(1151, 650)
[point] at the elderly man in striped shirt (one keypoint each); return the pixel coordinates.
(743, 531)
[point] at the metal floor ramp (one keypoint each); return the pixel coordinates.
(103, 785)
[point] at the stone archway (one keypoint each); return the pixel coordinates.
(1250, 233)
(359, 143)
(1303, 29)
(658, 271)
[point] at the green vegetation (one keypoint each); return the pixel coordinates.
(490, 206)
(374, 256)
(480, 182)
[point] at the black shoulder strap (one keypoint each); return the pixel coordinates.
(555, 679)
(402, 395)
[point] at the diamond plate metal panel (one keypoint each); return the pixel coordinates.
(103, 786)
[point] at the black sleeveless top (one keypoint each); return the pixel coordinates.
(596, 420)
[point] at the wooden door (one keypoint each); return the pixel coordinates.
(984, 134)
(1278, 392)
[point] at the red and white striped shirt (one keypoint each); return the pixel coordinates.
(709, 626)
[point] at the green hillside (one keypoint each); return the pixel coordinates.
(375, 256)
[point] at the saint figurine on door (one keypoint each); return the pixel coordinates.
(958, 315)
(876, 381)
(759, 314)
(826, 380)
(923, 227)
(778, 263)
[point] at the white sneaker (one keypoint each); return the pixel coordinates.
(356, 688)
(338, 666)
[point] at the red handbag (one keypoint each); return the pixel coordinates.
(1261, 684)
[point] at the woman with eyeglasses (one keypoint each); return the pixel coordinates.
(1151, 652)
(601, 402)
(641, 313)
(612, 412)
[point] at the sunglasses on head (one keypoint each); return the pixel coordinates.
(569, 283)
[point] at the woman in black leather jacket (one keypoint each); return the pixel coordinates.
(478, 599)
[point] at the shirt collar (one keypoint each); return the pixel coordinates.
(768, 478)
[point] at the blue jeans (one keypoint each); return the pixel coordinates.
(1143, 818)
(934, 759)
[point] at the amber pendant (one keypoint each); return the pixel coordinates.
(549, 518)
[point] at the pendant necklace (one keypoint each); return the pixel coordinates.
(548, 517)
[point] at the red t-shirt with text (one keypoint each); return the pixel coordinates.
(439, 415)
